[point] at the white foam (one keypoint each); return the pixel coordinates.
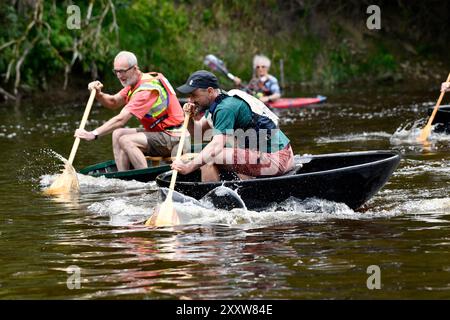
(90, 184)
(433, 211)
(412, 168)
(124, 211)
(410, 132)
(289, 211)
(427, 206)
(120, 211)
(364, 136)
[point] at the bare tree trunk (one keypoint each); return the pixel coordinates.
(6, 94)
(37, 31)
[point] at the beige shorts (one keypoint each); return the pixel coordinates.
(162, 144)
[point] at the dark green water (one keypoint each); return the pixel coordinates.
(296, 250)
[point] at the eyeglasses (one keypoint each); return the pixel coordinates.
(122, 71)
(261, 67)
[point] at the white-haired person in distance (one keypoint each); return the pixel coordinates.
(152, 100)
(263, 85)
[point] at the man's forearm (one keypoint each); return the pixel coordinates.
(107, 100)
(274, 96)
(112, 124)
(211, 151)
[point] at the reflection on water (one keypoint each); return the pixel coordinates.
(292, 250)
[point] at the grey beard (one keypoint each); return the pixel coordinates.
(129, 82)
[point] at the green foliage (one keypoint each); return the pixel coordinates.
(382, 61)
(313, 38)
(301, 61)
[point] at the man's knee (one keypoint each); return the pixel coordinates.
(116, 134)
(125, 141)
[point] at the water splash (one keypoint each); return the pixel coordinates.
(364, 136)
(90, 184)
(121, 211)
(36, 166)
(127, 210)
(57, 155)
(224, 198)
(407, 133)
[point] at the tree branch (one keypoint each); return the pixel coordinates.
(7, 95)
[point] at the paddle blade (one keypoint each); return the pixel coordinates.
(424, 134)
(427, 130)
(66, 182)
(164, 215)
(215, 63)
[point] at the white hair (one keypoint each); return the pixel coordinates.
(261, 60)
(131, 58)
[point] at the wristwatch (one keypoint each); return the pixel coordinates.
(95, 133)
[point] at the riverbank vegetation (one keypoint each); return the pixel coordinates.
(315, 41)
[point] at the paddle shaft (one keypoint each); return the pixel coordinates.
(82, 124)
(427, 129)
(179, 151)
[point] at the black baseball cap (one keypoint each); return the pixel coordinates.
(199, 79)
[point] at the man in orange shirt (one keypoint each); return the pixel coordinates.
(151, 99)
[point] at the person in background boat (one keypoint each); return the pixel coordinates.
(263, 85)
(151, 99)
(258, 146)
(445, 86)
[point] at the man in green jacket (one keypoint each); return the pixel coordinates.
(246, 139)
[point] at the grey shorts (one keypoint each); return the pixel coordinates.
(162, 144)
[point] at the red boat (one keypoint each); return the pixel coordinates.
(284, 103)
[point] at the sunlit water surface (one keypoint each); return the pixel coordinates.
(294, 249)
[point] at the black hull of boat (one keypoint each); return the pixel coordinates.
(351, 178)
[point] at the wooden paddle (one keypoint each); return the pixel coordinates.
(165, 215)
(67, 181)
(427, 129)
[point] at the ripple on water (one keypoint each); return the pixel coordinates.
(412, 167)
(430, 205)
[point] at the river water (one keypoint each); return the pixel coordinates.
(292, 250)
